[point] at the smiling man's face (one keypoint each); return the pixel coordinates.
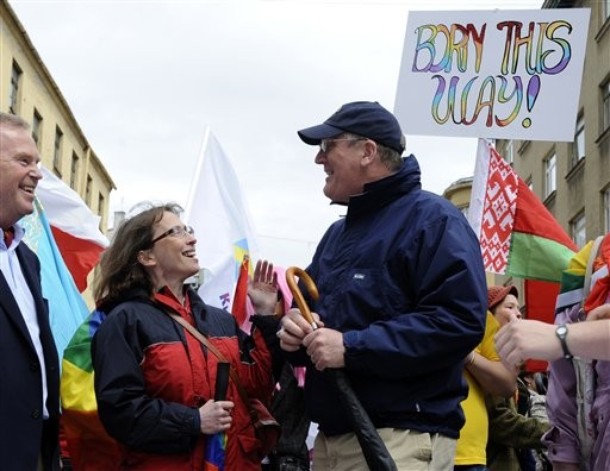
(19, 174)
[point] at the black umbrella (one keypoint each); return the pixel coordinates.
(375, 452)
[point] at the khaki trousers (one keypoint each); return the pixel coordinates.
(411, 451)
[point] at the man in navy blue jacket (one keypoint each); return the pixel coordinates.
(29, 369)
(402, 299)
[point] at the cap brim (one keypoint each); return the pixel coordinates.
(315, 134)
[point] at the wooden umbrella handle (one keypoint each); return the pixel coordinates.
(312, 290)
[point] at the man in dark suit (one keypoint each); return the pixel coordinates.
(29, 367)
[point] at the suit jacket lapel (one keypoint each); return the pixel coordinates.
(11, 309)
(32, 277)
(28, 264)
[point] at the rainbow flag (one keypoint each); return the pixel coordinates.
(518, 235)
(90, 447)
(573, 278)
(215, 449)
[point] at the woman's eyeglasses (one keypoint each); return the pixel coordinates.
(179, 232)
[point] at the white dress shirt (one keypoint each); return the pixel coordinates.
(11, 269)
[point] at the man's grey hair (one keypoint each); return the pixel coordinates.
(391, 158)
(13, 121)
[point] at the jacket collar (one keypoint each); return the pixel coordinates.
(380, 193)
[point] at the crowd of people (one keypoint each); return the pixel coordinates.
(432, 355)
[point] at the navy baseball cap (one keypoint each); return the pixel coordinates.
(365, 118)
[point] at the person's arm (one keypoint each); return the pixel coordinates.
(509, 428)
(492, 375)
(485, 366)
(520, 340)
(562, 440)
(261, 360)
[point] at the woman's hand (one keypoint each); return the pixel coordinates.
(263, 288)
(215, 416)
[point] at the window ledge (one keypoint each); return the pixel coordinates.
(576, 169)
(603, 136)
(603, 30)
(550, 199)
(524, 145)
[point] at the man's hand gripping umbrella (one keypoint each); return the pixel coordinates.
(375, 452)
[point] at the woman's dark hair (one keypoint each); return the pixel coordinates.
(120, 270)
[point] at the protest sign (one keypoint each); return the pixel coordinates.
(510, 74)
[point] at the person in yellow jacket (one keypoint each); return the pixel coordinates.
(485, 375)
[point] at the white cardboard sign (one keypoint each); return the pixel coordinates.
(510, 74)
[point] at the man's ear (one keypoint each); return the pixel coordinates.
(146, 258)
(370, 154)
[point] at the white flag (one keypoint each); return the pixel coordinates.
(218, 212)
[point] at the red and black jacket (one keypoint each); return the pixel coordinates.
(151, 376)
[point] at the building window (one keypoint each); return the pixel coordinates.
(606, 106)
(37, 129)
(607, 210)
(59, 137)
(578, 147)
(550, 174)
(74, 171)
(577, 227)
(88, 190)
(100, 206)
(13, 96)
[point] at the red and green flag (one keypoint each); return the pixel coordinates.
(518, 235)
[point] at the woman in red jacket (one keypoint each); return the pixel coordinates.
(154, 381)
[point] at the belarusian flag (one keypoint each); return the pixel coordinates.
(518, 235)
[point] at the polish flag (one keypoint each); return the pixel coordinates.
(75, 228)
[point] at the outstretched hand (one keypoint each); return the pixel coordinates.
(263, 288)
